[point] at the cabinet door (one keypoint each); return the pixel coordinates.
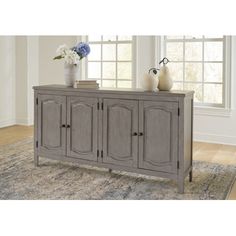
(158, 122)
(120, 122)
(82, 117)
(51, 116)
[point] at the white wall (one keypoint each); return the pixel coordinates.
(145, 56)
(35, 66)
(52, 71)
(32, 74)
(21, 68)
(221, 128)
(26, 57)
(7, 80)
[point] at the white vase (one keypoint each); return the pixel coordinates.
(71, 74)
(165, 81)
(150, 82)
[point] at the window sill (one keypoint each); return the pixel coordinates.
(212, 111)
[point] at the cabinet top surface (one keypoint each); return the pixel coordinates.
(54, 87)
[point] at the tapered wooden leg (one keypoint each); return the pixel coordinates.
(191, 176)
(36, 160)
(110, 170)
(181, 186)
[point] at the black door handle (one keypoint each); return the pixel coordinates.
(63, 126)
(135, 134)
(140, 134)
(68, 126)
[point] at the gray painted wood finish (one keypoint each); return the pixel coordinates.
(158, 144)
(139, 92)
(36, 157)
(144, 132)
(120, 128)
(82, 128)
(51, 117)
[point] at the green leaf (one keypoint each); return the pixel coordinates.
(57, 57)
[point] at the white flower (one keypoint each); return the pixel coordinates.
(62, 50)
(71, 57)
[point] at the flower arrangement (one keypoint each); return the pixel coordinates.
(72, 55)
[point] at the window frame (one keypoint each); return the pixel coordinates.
(133, 60)
(226, 67)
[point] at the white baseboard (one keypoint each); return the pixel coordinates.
(22, 121)
(5, 123)
(213, 138)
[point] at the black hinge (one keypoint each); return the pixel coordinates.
(102, 106)
(98, 105)
(177, 164)
(178, 111)
(97, 153)
(102, 154)
(37, 101)
(37, 143)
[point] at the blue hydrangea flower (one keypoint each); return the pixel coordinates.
(82, 49)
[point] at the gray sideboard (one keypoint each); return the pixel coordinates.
(131, 130)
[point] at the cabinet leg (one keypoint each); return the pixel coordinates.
(181, 186)
(191, 176)
(36, 160)
(110, 170)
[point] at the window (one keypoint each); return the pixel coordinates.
(197, 63)
(110, 61)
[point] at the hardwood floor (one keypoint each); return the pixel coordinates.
(215, 153)
(14, 133)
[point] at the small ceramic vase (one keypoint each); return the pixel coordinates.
(70, 74)
(165, 81)
(150, 82)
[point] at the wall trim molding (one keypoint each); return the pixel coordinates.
(207, 111)
(22, 121)
(214, 138)
(6, 123)
(17, 121)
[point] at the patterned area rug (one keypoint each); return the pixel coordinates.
(19, 179)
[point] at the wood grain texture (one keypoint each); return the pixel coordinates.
(15, 133)
(120, 121)
(187, 133)
(36, 157)
(158, 146)
(51, 117)
(174, 93)
(82, 117)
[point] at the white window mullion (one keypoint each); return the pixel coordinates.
(203, 68)
(116, 62)
(126, 62)
(227, 71)
(210, 62)
(101, 63)
(183, 63)
(226, 65)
